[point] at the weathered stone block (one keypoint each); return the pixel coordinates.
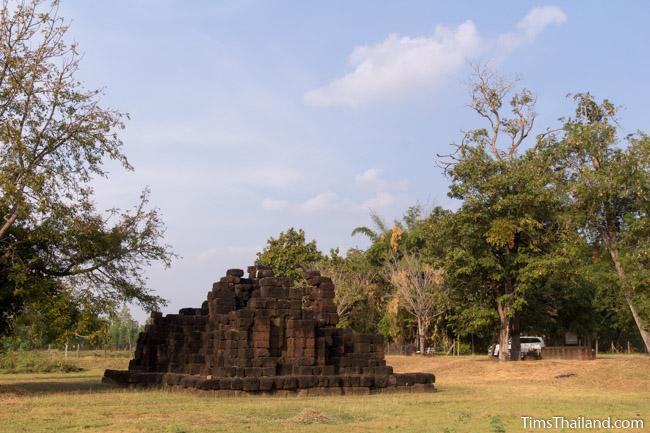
(235, 273)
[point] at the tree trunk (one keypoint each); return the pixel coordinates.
(515, 346)
(504, 333)
(645, 335)
(629, 296)
(422, 339)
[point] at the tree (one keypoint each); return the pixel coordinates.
(61, 318)
(289, 253)
(420, 290)
(609, 188)
(55, 136)
(508, 227)
(123, 330)
(355, 286)
(416, 233)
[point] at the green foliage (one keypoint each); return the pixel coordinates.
(59, 317)
(359, 294)
(509, 228)
(397, 324)
(472, 319)
(289, 254)
(123, 330)
(608, 185)
(56, 136)
(496, 424)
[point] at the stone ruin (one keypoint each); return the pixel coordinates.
(263, 335)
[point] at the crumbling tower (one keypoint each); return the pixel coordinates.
(262, 334)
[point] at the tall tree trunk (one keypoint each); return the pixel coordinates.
(515, 346)
(629, 296)
(504, 332)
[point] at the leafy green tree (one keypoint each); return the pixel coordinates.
(609, 188)
(55, 136)
(507, 230)
(123, 331)
(289, 254)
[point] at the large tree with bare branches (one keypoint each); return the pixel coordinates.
(508, 223)
(420, 290)
(55, 136)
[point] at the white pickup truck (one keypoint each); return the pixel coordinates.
(530, 346)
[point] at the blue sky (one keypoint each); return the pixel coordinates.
(249, 117)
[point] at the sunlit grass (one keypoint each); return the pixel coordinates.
(475, 395)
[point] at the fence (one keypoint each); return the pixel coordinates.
(392, 348)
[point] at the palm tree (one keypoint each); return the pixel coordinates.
(374, 235)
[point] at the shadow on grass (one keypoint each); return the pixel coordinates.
(48, 386)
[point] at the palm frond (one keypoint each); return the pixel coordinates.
(379, 222)
(365, 231)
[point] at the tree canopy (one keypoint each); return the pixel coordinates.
(289, 253)
(55, 137)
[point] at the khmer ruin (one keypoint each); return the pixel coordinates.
(263, 335)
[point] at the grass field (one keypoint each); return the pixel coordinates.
(475, 394)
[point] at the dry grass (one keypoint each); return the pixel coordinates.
(475, 395)
(620, 372)
(52, 361)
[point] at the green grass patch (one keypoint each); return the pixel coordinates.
(35, 362)
(476, 395)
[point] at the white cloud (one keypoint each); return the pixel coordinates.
(324, 201)
(211, 254)
(320, 202)
(402, 66)
(379, 194)
(382, 199)
(368, 176)
(271, 204)
(399, 66)
(530, 26)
